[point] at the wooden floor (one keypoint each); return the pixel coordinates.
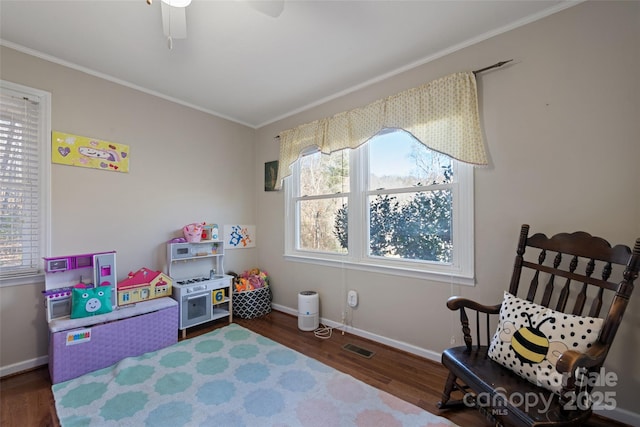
(26, 399)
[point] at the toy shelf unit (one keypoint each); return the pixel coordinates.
(203, 291)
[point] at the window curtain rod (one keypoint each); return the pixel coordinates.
(476, 72)
(496, 65)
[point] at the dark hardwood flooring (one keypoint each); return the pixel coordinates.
(26, 399)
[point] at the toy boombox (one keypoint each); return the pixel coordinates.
(144, 285)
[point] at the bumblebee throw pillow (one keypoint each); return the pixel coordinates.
(530, 338)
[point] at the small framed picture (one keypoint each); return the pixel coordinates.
(270, 175)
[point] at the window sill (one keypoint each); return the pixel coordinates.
(442, 277)
(25, 280)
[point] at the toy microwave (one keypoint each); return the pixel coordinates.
(191, 249)
(181, 250)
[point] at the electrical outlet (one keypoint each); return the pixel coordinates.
(352, 298)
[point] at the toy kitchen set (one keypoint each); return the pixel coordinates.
(200, 286)
(64, 273)
(100, 336)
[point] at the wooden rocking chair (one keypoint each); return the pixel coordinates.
(578, 274)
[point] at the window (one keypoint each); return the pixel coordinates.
(391, 205)
(324, 184)
(25, 136)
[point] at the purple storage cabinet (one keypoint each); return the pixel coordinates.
(125, 332)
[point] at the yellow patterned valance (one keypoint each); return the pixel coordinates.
(442, 114)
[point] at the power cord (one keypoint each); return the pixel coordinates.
(323, 332)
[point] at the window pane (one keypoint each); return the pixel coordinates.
(397, 160)
(324, 173)
(414, 226)
(320, 228)
(20, 192)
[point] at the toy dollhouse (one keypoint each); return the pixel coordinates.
(143, 285)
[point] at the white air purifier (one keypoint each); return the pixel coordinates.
(308, 311)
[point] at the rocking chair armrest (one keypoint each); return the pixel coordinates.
(570, 360)
(456, 303)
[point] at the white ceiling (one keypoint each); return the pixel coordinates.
(249, 67)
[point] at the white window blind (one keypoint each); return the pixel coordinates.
(24, 123)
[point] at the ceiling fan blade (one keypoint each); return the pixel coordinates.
(174, 21)
(272, 8)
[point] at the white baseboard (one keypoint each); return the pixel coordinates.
(23, 366)
(284, 309)
(621, 415)
(617, 414)
(427, 354)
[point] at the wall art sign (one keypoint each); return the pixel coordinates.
(75, 150)
(270, 175)
(239, 236)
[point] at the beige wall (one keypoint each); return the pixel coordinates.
(185, 166)
(562, 126)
